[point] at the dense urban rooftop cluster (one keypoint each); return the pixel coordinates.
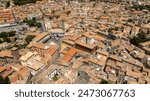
(75, 42)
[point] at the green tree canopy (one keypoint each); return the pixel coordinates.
(4, 80)
(21, 2)
(140, 38)
(33, 23)
(7, 34)
(29, 38)
(104, 82)
(38, 24)
(7, 4)
(140, 7)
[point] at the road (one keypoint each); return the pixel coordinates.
(16, 28)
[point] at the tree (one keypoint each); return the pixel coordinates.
(104, 82)
(140, 38)
(7, 34)
(21, 2)
(3, 34)
(94, 4)
(135, 41)
(29, 38)
(143, 37)
(38, 24)
(129, 20)
(1, 80)
(4, 80)
(63, 8)
(1, 41)
(53, 12)
(11, 33)
(7, 4)
(140, 7)
(55, 77)
(68, 12)
(31, 22)
(6, 39)
(21, 46)
(68, 1)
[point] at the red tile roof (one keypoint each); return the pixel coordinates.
(37, 45)
(2, 69)
(72, 52)
(66, 58)
(7, 73)
(69, 55)
(6, 53)
(52, 49)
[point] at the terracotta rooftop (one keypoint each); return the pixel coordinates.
(66, 58)
(112, 77)
(6, 53)
(23, 72)
(133, 74)
(68, 42)
(73, 37)
(133, 62)
(2, 69)
(130, 81)
(100, 38)
(20, 74)
(40, 36)
(84, 44)
(37, 45)
(52, 50)
(107, 69)
(102, 52)
(72, 52)
(89, 34)
(129, 48)
(114, 57)
(120, 64)
(76, 64)
(57, 31)
(64, 51)
(69, 55)
(62, 80)
(6, 15)
(9, 72)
